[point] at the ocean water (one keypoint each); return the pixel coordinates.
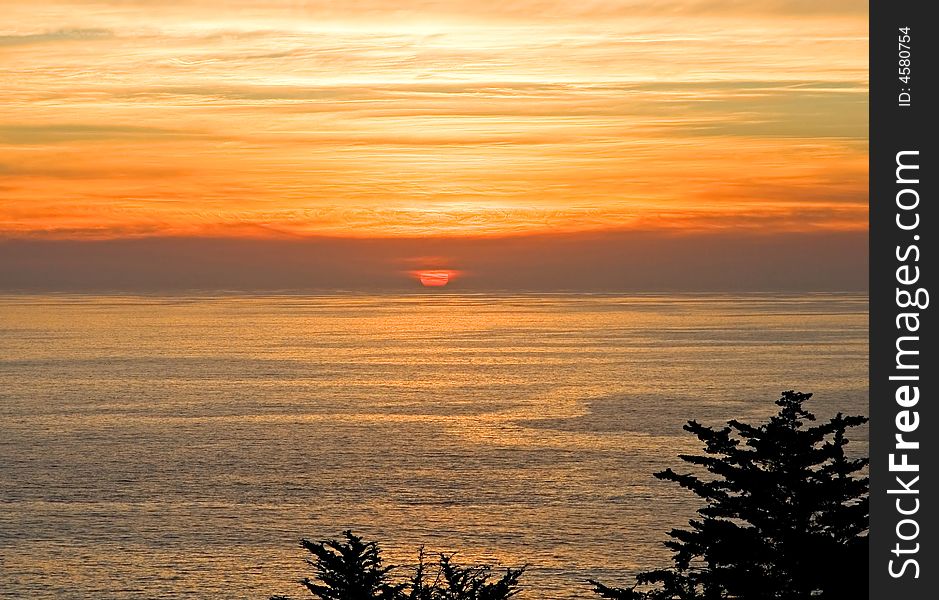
(178, 447)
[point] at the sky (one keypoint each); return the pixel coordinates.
(362, 141)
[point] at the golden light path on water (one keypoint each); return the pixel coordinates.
(178, 447)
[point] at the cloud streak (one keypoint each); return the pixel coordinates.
(60, 35)
(442, 119)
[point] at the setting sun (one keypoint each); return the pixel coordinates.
(434, 278)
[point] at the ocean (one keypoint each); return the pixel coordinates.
(178, 447)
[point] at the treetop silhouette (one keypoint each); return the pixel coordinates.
(352, 569)
(785, 514)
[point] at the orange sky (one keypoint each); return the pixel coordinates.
(368, 118)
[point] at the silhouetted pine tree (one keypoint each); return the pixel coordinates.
(353, 570)
(785, 515)
(420, 589)
(350, 570)
(472, 583)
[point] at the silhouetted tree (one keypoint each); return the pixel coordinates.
(349, 570)
(785, 514)
(422, 587)
(472, 583)
(353, 570)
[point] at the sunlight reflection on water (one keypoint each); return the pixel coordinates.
(178, 447)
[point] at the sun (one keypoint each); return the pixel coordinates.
(434, 278)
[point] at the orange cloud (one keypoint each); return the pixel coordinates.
(128, 119)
